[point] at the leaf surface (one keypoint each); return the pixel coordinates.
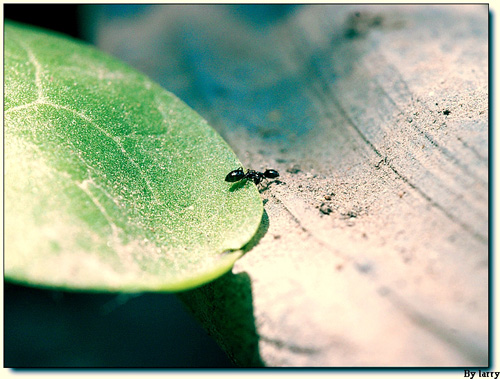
(111, 182)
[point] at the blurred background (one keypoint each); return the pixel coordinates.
(49, 328)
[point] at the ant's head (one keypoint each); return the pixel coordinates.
(235, 176)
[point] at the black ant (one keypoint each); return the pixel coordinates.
(255, 176)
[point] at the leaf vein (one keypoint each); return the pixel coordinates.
(38, 70)
(117, 142)
(84, 186)
(115, 139)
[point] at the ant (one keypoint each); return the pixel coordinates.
(255, 176)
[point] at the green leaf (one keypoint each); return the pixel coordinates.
(111, 182)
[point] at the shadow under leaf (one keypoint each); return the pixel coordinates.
(225, 308)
